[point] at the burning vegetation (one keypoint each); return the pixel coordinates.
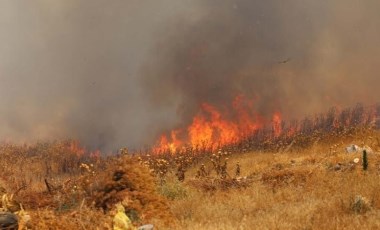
(247, 131)
(82, 187)
(217, 95)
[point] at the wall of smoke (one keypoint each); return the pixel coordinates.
(116, 73)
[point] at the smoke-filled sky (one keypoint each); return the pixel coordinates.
(115, 73)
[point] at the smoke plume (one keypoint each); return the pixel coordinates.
(116, 73)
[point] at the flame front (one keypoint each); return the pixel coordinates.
(212, 127)
(277, 124)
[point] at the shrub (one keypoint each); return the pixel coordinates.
(131, 183)
(359, 204)
(173, 190)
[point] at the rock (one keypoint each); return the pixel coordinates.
(338, 167)
(353, 149)
(146, 227)
(356, 149)
(8, 221)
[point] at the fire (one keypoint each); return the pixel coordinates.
(75, 147)
(200, 131)
(165, 144)
(213, 127)
(223, 130)
(277, 124)
(248, 121)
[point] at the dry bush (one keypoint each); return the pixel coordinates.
(359, 204)
(126, 181)
(72, 190)
(173, 190)
(84, 218)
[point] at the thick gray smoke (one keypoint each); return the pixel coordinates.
(115, 73)
(298, 57)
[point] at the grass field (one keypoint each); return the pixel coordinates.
(289, 191)
(316, 187)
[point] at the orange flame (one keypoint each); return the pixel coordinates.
(210, 127)
(200, 131)
(76, 148)
(277, 124)
(164, 143)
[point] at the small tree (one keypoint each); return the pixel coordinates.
(365, 160)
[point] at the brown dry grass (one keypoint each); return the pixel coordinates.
(294, 190)
(313, 188)
(62, 188)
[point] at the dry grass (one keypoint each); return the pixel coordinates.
(67, 189)
(297, 190)
(319, 187)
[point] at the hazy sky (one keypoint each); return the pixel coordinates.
(114, 73)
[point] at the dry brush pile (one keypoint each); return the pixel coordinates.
(61, 186)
